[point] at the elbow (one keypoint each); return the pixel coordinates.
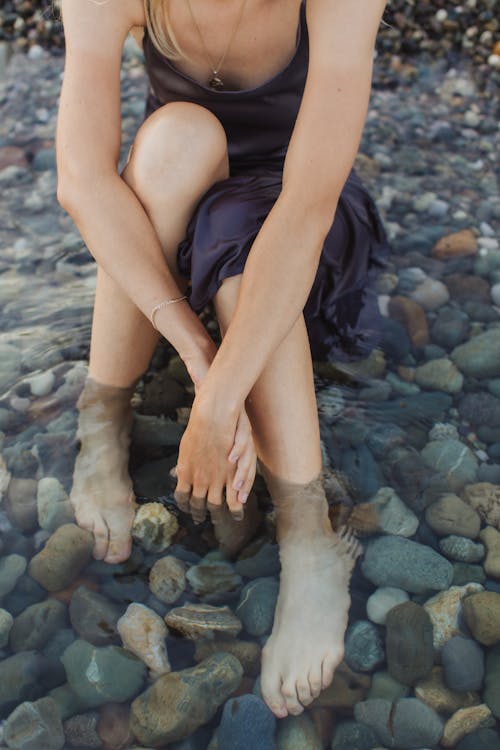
(76, 185)
(317, 207)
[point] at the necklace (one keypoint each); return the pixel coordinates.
(215, 81)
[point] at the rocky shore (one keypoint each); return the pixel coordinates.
(91, 654)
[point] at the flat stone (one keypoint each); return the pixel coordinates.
(409, 644)
(203, 621)
(94, 617)
(465, 721)
(436, 694)
(463, 664)
(451, 515)
(192, 695)
(35, 726)
(213, 578)
(482, 614)
(445, 610)
(64, 556)
(405, 564)
(248, 653)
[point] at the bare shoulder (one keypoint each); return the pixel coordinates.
(100, 24)
(347, 28)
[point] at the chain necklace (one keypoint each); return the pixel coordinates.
(215, 82)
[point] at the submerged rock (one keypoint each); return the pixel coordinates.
(66, 553)
(203, 621)
(35, 726)
(143, 632)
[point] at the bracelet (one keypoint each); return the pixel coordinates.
(158, 307)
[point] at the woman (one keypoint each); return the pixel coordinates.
(239, 179)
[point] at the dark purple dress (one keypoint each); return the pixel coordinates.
(341, 312)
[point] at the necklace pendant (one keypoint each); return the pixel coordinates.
(215, 82)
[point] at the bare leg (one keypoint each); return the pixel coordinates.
(169, 175)
(306, 644)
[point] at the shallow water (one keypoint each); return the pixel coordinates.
(412, 431)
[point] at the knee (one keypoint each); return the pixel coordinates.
(181, 144)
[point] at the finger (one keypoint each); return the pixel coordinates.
(182, 496)
(233, 503)
(215, 497)
(198, 505)
(246, 489)
(242, 438)
(244, 468)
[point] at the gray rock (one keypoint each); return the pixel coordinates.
(405, 564)
(94, 617)
(34, 627)
(27, 676)
(265, 562)
(491, 694)
(453, 459)
(12, 567)
(67, 701)
(6, 621)
(53, 505)
(384, 686)
(64, 556)
(297, 732)
(409, 644)
(407, 724)
(102, 675)
(463, 664)
(81, 731)
(351, 735)
(35, 726)
(481, 739)
(450, 328)
(212, 580)
(10, 365)
(364, 647)
(257, 604)
(21, 504)
(480, 356)
(461, 549)
(441, 375)
(247, 723)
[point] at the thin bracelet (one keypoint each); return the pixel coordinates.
(163, 304)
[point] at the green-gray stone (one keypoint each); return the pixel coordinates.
(296, 733)
(480, 356)
(35, 726)
(386, 687)
(491, 694)
(453, 459)
(34, 627)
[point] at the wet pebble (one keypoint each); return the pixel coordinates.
(248, 723)
(364, 647)
(463, 664)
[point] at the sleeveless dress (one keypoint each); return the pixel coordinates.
(341, 312)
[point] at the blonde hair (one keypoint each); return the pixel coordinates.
(160, 29)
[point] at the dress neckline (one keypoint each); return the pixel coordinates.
(232, 92)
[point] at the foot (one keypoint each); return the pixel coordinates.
(102, 494)
(307, 640)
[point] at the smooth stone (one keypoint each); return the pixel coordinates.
(34, 627)
(482, 614)
(412, 317)
(430, 294)
(297, 732)
(154, 527)
(381, 602)
(35, 726)
(364, 647)
(54, 508)
(114, 726)
(450, 328)
(248, 653)
(443, 431)
(247, 723)
(457, 244)
(265, 562)
(481, 739)
(257, 604)
(491, 539)
(66, 553)
(167, 579)
(59, 642)
(393, 516)
(68, 702)
(453, 459)
(10, 365)
(26, 592)
(464, 573)
(42, 384)
(21, 504)
(351, 735)
(484, 498)
(6, 622)
(480, 356)
(405, 564)
(463, 664)
(152, 430)
(451, 515)
(203, 621)
(491, 693)
(441, 375)
(12, 567)
(445, 611)
(409, 643)
(413, 723)
(461, 549)
(385, 686)
(81, 731)
(192, 695)
(464, 721)
(435, 693)
(466, 288)
(143, 632)
(27, 676)
(99, 675)
(480, 409)
(211, 579)
(94, 617)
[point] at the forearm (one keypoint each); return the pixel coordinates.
(277, 279)
(121, 238)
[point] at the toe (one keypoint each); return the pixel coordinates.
(315, 680)
(330, 663)
(119, 548)
(304, 692)
(101, 536)
(289, 692)
(270, 688)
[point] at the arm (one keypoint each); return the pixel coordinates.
(319, 158)
(108, 214)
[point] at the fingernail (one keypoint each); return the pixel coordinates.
(233, 458)
(238, 485)
(243, 497)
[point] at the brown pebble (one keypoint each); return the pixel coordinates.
(64, 556)
(456, 245)
(412, 317)
(113, 726)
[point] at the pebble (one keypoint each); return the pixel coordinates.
(154, 527)
(441, 375)
(21, 506)
(203, 621)
(491, 539)
(211, 579)
(54, 508)
(66, 553)
(37, 624)
(248, 653)
(480, 356)
(482, 614)
(392, 515)
(167, 579)
(247, 723)
(451, 515)
(482, 739)
(385, 686)
(465, 721)
(409, 643)
(463, 664)
(351, 735)
(27, 676)
(6, 622)
(405, 564)
(412, 723)
(143, 632)
(12, 567)
(462, 549)
(453, 459)
(94, 617)
(491, 694)
(445, 611)
(257, 604)
(42, 385)
(347, 689)
(383, 599)
(35, 726)
(81, 731)
(364, 647)
(265, 562)
(435, 693)
(484, 497)
(455, 245)
(192, 695)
